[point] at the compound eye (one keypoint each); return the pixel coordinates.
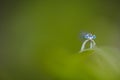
(94, 36)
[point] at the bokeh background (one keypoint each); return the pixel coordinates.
(39, 39)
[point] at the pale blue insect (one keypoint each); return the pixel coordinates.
(85, 35)
(88, 38)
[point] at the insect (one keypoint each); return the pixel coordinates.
(89, 37)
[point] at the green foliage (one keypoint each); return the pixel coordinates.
(88, 65)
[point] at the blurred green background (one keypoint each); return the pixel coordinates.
(40, 40)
